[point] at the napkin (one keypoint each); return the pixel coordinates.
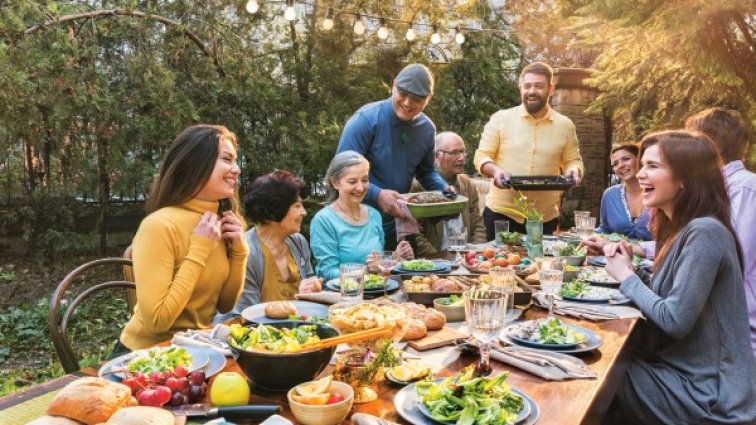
(551, 366)
(405, 225)
(365, 419)
(322, 297)
(588, 311)
(213, 339)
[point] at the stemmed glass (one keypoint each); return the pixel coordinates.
(386, 260)
(485, 310)
(551, 282)
(457, 241)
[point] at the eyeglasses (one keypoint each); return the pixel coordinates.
(460, 152)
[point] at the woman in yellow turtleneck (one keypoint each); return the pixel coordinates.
(189, 255)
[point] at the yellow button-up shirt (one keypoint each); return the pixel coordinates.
(524, 146)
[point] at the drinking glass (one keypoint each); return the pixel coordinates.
(502, 279)
(351, 367)
(580, 214)
(352, 281)
(551, 282)
(500, 226)
(387, 261)
(585, 227)
(457, 241)
(485, 310)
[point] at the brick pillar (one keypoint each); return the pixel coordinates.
(571, 98)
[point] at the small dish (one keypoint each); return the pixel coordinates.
(323, 414)
(453, 313)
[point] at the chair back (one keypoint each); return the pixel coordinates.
(58, 332)
(128, 275)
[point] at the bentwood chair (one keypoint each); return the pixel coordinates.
(59, 329)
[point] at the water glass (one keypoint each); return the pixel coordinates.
(352, 281)
(387, 261)
(485, 310)
(458, 241)
(500, 226)
(580, 214)
(551, 282)
(504, 280)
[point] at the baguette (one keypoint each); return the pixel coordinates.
(90, 400)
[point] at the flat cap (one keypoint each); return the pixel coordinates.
(415, 79)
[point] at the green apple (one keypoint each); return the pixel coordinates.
(229, 389)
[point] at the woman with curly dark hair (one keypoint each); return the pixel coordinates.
(279, 264)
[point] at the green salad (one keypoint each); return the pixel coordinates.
(417, 265)
(555, 332)
(269, 338)
(510, 238)
(469, 399)
(573, 289)
(160, 359)
(373, 281)
(569, 250)
(453, 300)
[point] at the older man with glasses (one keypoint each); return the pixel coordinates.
(450, 163)
(396, 137)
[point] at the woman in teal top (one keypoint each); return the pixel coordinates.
(348, 231)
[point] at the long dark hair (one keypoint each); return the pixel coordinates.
(693, 159)
(187, 166)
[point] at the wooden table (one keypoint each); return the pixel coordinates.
(570, 402)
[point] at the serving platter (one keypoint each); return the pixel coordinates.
(512, 333)
(407, 405)
(599, 295)
(113, 368)
(593, 342)
(256, 313)
(538, 182)
(441, 266)
(436, 209)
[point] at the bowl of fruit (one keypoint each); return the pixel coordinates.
(274, 356)
(167, 388)
(321, 402)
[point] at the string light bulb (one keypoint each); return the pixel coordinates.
(411, 34)
(359, 26)
(290, 14)
(328, 21)
(459, 38)
(435, 37)
(252, 6)
(383, 31)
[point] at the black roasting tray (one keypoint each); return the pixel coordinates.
(538, 182)
(522, 296)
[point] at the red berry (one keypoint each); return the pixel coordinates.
(194, 393)
(335, 398)
(142, 379)
(156, 377)
(166, 374)
(180, 371)
(197, 377)
(162, 395)
(132, 383)
(183, 383)
(303, 317)
(177, 399)
(173, 384)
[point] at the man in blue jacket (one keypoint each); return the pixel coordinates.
(397, 138)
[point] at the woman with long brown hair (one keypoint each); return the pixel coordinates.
(695, 365)
(189, 252)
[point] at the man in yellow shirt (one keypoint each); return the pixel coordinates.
(527, 140)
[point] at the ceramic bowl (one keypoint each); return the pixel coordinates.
(572, 260)
(324, 414)
(453, 313)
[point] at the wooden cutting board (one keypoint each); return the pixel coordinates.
(435, 339)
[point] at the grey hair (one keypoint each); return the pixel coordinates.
(336, 169)
(440, 137)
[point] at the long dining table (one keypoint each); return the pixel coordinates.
(582, 401)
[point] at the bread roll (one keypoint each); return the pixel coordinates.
(280, 310)
(53, 420)
(415, 330)
(90, 400)
(141, 415)
(434, 319)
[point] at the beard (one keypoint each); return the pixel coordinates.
(534, 104)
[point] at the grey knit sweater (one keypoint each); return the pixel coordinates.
(696, 365)
(255, 274)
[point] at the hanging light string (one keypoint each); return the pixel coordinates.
(383, 30)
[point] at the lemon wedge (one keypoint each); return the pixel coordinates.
(401, 373)
(318, 399)
(315, 388)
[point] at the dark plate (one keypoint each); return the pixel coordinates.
(256, 313)
(613, 296)
(593, 342)
(408, 407)
(538, 183)
(392, 285)
(442, 266)
(599, 261)
(553, 347)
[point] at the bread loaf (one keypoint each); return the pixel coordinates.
(280, 310)
(90, 400)
(141, 415)
(53, 420)
(415, 330)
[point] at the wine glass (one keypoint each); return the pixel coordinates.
(386, 261)
(457, 242)
(551, 282)
(485, 311)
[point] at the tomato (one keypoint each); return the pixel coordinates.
(335, 398)
(500, 262)
(513, 259)
(489, 253)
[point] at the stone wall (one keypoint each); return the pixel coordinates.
(571, 98)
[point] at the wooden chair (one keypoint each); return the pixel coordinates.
(58, 333)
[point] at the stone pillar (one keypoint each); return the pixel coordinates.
(571, 98)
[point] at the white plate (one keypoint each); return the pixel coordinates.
(200, 359)
(256, 313)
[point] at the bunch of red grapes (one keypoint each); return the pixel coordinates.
(173, 388)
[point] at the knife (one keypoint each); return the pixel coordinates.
(259, 412)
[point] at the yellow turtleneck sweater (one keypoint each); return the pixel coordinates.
(181, 278)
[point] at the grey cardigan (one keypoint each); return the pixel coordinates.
(696, 365)
(255, 274)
